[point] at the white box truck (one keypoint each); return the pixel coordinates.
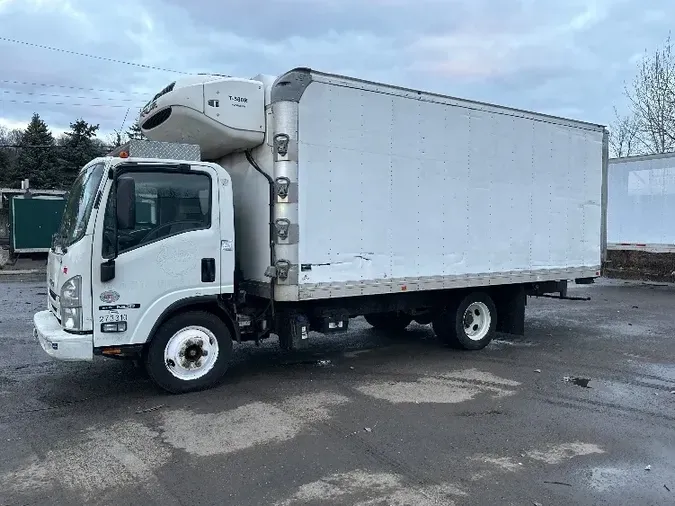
(280, 206)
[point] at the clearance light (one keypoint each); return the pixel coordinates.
(124, 154)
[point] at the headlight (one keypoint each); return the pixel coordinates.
(71, 303)
(71, 292)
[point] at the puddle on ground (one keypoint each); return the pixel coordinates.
(580, 382)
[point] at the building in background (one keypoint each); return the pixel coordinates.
(641, 217)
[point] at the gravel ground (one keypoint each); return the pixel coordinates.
(579, 411)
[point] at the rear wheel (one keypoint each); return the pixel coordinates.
(469, 325)
(189, 352)
(389, 322)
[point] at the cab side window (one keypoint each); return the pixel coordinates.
(167, 204)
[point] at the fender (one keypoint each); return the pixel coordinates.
(212, 303)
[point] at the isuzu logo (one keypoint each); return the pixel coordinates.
(110, 296)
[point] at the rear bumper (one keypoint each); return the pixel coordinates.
(58, 343)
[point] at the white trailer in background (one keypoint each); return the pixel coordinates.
(641, 203)
(282, 205)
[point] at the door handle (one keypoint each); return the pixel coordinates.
(208, 270)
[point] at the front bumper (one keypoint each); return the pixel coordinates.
(57, 342)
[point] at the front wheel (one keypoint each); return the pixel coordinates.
(189, 352)
(470, 325)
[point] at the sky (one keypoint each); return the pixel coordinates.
(570, 58)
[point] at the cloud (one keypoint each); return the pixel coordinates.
(570, 58)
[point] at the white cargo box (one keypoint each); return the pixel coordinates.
(398, 190)
(381, 189)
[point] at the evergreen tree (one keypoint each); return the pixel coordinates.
(8, 155)
(99, 147)
(78, 147)
(4, 157)
(54, 163)
(5, 168)
(135, 132)
(37, 159)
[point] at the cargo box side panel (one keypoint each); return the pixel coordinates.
(395, 189)
(641, 203)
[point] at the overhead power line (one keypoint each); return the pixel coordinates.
(32, 146)
(58, 95)
(96, 57)
(48, 146)
(74, 104)
(67, 87)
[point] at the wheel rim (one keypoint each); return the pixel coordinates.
(191, 353)
(477, 321)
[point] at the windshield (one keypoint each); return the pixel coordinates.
(80, 203)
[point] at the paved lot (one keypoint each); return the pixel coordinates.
(367, 420)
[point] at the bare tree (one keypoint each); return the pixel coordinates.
(623, 138)
(652, 103)
(116, 139)
(8, 136)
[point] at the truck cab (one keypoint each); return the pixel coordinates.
(140, 236)
(143, 265)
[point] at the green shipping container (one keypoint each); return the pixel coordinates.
(33, 221)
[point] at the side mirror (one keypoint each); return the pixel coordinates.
(126, 203)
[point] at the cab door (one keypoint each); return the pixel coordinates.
(166, 254)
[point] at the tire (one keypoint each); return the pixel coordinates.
(469, 325)
(389, 322)
(187, 334)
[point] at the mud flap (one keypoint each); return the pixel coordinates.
(511, 310)
(293, 331)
